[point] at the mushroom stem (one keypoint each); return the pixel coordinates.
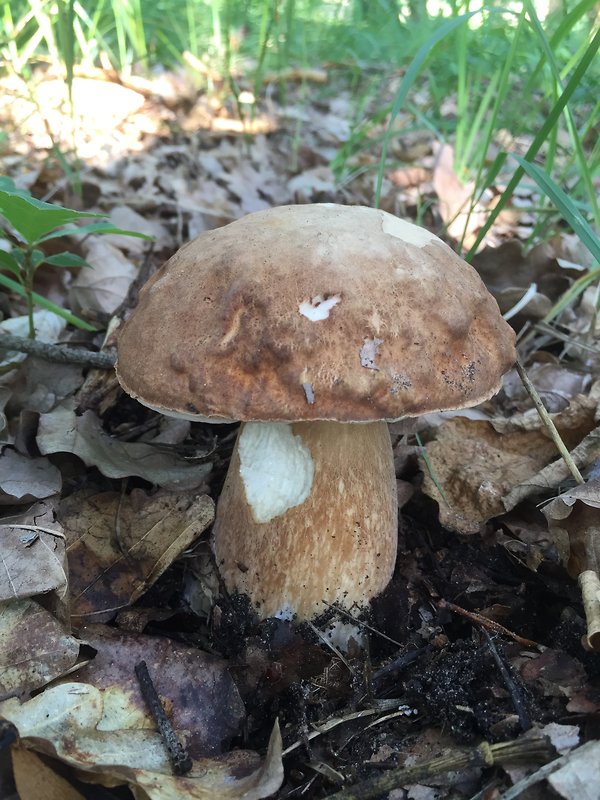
(308, 516)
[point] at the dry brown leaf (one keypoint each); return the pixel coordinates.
(127, 219)
(118, 546)
(40, 385)
(34, 778)
(576, 515)
(587, 452)
(34, 648)
(556, 384)
(509, 272)
(455, 198)
(202, 700)
(64, 721)
(24, 479)
(105, 286)
(61, 431)
(476, 466)
(33, 561)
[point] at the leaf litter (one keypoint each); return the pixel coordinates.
(120, 529)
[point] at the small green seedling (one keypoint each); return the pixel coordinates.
(27, 223)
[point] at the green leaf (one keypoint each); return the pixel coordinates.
(7, 184)
(539, 139)
(67, 260)
(423, 53)
(37, 258)
(565, 205)
(8, 283)
(32, 218)
(9, 262)
(94, 227)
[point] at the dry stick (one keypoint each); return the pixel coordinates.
(485, 755)
(547, 420)
(515, 691)
(487, 623)
(180, 759)
(57, 352)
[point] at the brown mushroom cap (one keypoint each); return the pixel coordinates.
(314, 312)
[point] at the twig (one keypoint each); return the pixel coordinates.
(487, 623)
(181, 761)
(400, 663)
(547, 420)
(515, 691)
(57, 353)
(485, 755)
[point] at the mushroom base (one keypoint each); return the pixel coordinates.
(337, 546)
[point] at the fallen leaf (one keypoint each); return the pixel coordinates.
(48, 328)
(34, 648)
(460, 219)
(475, 466)
(128, 219)
(24, 479)
(61, 431)
(40, 385)
(63, 722)
(119, 545)
(579, 777)
(35, 778)
(34, 562)
(105, 286)
(203, 701)
(574, 515)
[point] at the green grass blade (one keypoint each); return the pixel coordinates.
(540, 137)
(412, 72)
(572, 129)
(565, 205)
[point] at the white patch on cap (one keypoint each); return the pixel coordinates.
(276, 468)
(369, 352)
(318, 308)
(309, 393)
(409, 233)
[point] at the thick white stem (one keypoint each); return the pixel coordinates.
(329, 492)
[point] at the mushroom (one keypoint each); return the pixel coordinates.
(314, 325)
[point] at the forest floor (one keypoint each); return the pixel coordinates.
(479, 650)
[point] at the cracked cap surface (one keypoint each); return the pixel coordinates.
(314, 312)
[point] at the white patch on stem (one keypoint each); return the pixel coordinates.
(276, 468)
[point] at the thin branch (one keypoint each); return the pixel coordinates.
(547, 420)
(486, 623)
(57, 353)
(181, 761)
(514, 689)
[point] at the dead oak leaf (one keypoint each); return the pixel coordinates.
(71, 722)
(118, 546)
(475, 466)
(34, 648)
